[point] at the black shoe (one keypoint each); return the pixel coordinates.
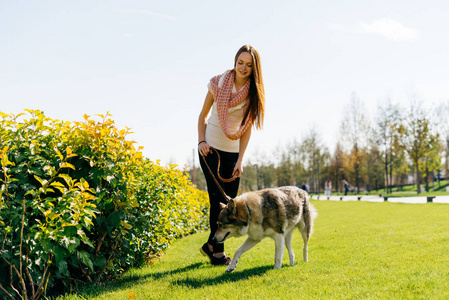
(205, 250)
(222, 261)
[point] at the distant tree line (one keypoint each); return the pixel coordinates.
(399, 146)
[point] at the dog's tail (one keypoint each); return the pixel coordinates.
(309, 214)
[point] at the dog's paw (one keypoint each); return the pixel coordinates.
(230, 269)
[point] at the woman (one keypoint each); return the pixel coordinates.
(328, 187)
(237, 100)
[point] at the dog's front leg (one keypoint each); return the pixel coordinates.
(247, 244)
(279, 252)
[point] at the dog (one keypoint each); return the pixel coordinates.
(272, 212)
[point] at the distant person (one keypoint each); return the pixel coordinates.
(305, 187)
(237, 101)
(328, 187)
(346, 185)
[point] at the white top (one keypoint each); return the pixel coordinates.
(215, 136)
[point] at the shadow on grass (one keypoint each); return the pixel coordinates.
(157, 275)
(91, 290)
(224, 278)
(130, 280)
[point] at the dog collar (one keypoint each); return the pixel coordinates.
(249, 211)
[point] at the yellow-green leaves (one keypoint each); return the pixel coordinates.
(89, 203)
(67, 165)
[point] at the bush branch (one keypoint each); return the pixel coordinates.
(6, 292)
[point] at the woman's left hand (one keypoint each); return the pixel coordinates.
(238, 169)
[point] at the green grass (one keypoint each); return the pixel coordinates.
(359, 250)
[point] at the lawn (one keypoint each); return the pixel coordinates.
(359, 250)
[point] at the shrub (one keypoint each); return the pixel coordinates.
(78, 202)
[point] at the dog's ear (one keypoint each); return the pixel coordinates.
(242, 213)
(222, 205)
(231, 207)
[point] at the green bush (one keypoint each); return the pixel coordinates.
(79, 203)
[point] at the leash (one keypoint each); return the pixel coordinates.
(218, 173)
(222, 179)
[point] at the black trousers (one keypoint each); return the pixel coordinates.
(227, 164)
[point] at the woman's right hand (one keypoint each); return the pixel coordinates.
(204, 149)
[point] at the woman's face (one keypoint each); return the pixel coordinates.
(244, 65)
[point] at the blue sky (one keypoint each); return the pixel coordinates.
(148, 62)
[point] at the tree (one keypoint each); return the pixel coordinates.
(265, 170)
(267, 174)
(432, 159)
(249, 178)
(418, 139)
(354, 129)
(315, 157)
(387, 133)
(374, 166)
(284, 170)
(337, 167)
(443, 126)
(298, 172)
(400, 168)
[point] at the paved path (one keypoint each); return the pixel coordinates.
(411, 200)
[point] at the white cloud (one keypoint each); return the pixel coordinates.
(148, 12)
(390, 29)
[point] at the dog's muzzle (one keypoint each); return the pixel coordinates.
(217, 241)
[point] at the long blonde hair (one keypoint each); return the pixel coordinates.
(256, 107)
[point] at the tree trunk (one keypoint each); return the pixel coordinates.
(446, 172)
(418, 185)
(391, 178)
(357, 168)
(386, 172)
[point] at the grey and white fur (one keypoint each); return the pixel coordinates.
(271, 213)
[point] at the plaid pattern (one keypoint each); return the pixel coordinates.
(226, 99)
